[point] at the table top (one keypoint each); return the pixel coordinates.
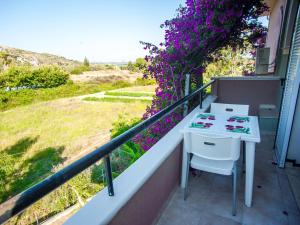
(245, 127)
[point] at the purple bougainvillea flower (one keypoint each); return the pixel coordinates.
(200, 28)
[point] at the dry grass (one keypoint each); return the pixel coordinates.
(71, 123)
(38, 139)
(106, 76)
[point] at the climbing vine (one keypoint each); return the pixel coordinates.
(201, 28)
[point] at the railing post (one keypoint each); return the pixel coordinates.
(108, 173)
(186, 92)
(201, 92)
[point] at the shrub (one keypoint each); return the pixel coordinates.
(131, 67)
(130, 151)
(17, 76)
(49, 76)
(2, 80)
(121, 84)
(122, 157)
(140, 65)
(110, 67)
(145, 81)
(46, 77)
(79, 69)
(123, 124)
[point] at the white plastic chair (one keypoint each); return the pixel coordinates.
(213, 154)
(233, 109)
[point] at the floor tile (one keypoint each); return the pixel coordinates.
(209, 199)
(294, 219)
(221, 204)
(294, 180)
(212, 219)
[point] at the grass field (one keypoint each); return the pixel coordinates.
(13, 99)
(111, 99)
(149, 88)
(44, 130)
(37, 138)
(129, 94)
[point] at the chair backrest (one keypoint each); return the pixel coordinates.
(235, 109)
(213, 147)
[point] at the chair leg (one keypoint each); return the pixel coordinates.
(187, 177)
(234, 181)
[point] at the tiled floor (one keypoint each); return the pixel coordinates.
(293, 174)
(209, 200)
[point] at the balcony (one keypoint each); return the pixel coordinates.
(148, 192)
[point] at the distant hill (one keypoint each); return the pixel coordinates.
(14, 56)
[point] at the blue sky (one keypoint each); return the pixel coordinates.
(101, 30)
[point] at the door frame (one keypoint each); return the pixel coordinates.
(289, 123)
(281, 150)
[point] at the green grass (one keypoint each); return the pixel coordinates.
(139, 88)
(13, 99)
(129, 94)
(37, 138)
(110, 99)
(18, 174)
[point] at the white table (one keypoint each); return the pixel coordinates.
(218, 126)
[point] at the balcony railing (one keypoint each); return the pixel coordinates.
(26, 198)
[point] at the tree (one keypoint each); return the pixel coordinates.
(131, 67)
(230, 62)
(141, 64)
(200, 29)
(86, 62)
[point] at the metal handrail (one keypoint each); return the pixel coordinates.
(26, 198)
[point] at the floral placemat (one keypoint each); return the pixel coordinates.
(238, 129)
(206, 116)
(239, 119)
(201, 125)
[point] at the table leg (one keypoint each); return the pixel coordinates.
(184, 166)
(250, 160)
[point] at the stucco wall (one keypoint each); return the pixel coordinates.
(145, 206)
(252, 92)
(275, 19)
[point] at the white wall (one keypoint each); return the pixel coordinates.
(275, 18)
